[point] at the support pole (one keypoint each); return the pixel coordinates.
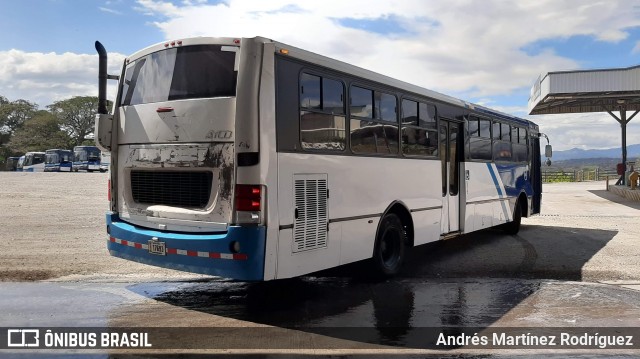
(623, 121)
(623, 125)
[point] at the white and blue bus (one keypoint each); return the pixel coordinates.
(33, 162)
(86, 158)
(254, 160)
(58, 160)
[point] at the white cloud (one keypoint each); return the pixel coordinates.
(47, 77)
(463, 47)
(452, 46)
(588, 130)
(472, 48)
(109, 10)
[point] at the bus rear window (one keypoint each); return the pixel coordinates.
(198, 71)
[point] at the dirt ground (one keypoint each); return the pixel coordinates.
(53, 225)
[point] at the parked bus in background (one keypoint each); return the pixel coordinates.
(12, 163)
(33, 162)
(254, 160)
(86, 158)
(20, 164)
(58, 160)
(105, 161)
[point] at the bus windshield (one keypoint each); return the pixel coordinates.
(197, 71)
(52, 158)
(93, 154)
(34, 159)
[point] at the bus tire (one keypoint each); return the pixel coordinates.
(513, 227)
(389, 250)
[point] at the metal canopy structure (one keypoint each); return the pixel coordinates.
(608, 90)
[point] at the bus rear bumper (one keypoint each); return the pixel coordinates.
(197, 253)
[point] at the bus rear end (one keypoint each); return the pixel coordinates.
(173, 193)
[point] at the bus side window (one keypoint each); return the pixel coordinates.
(501, 142)
(480, 146)
(322, 119)
(376, 129)
(519, 139)
(310, 91)
(419, 134)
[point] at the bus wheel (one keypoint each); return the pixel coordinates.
(388, 254)
(513, 227)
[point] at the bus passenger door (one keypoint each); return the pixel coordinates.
(536, 175)
(450, 161)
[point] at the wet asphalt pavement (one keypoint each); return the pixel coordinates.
(319, 313)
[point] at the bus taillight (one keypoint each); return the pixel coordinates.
(109, 190)
(248, 197)
(248, 203)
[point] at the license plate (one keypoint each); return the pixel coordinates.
(94, 167)
(65, 169)
(157, 247)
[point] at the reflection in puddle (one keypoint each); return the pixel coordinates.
(393, 308)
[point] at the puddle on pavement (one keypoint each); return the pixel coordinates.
(392, 312)
(342, 302)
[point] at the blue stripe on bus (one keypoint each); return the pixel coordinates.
(495, 180)
(505, 211)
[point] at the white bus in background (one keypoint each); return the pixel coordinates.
(33, 162)
(254, 160)
(105, 161)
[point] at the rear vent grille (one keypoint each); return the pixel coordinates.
(171, 188)
(310, 227)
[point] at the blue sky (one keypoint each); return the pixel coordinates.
(74, 25)
(485, 51)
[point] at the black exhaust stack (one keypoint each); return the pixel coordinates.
(102, 78)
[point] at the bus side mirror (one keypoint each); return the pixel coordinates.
(548, 151)
(102, 131)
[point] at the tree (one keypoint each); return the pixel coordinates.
(14, 114)
(76, 116)
(39, 133)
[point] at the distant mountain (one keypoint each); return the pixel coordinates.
(633, 152)
(582, 164)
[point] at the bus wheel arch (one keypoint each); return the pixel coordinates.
(523, 202)
(394, 236)
(519, 211)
